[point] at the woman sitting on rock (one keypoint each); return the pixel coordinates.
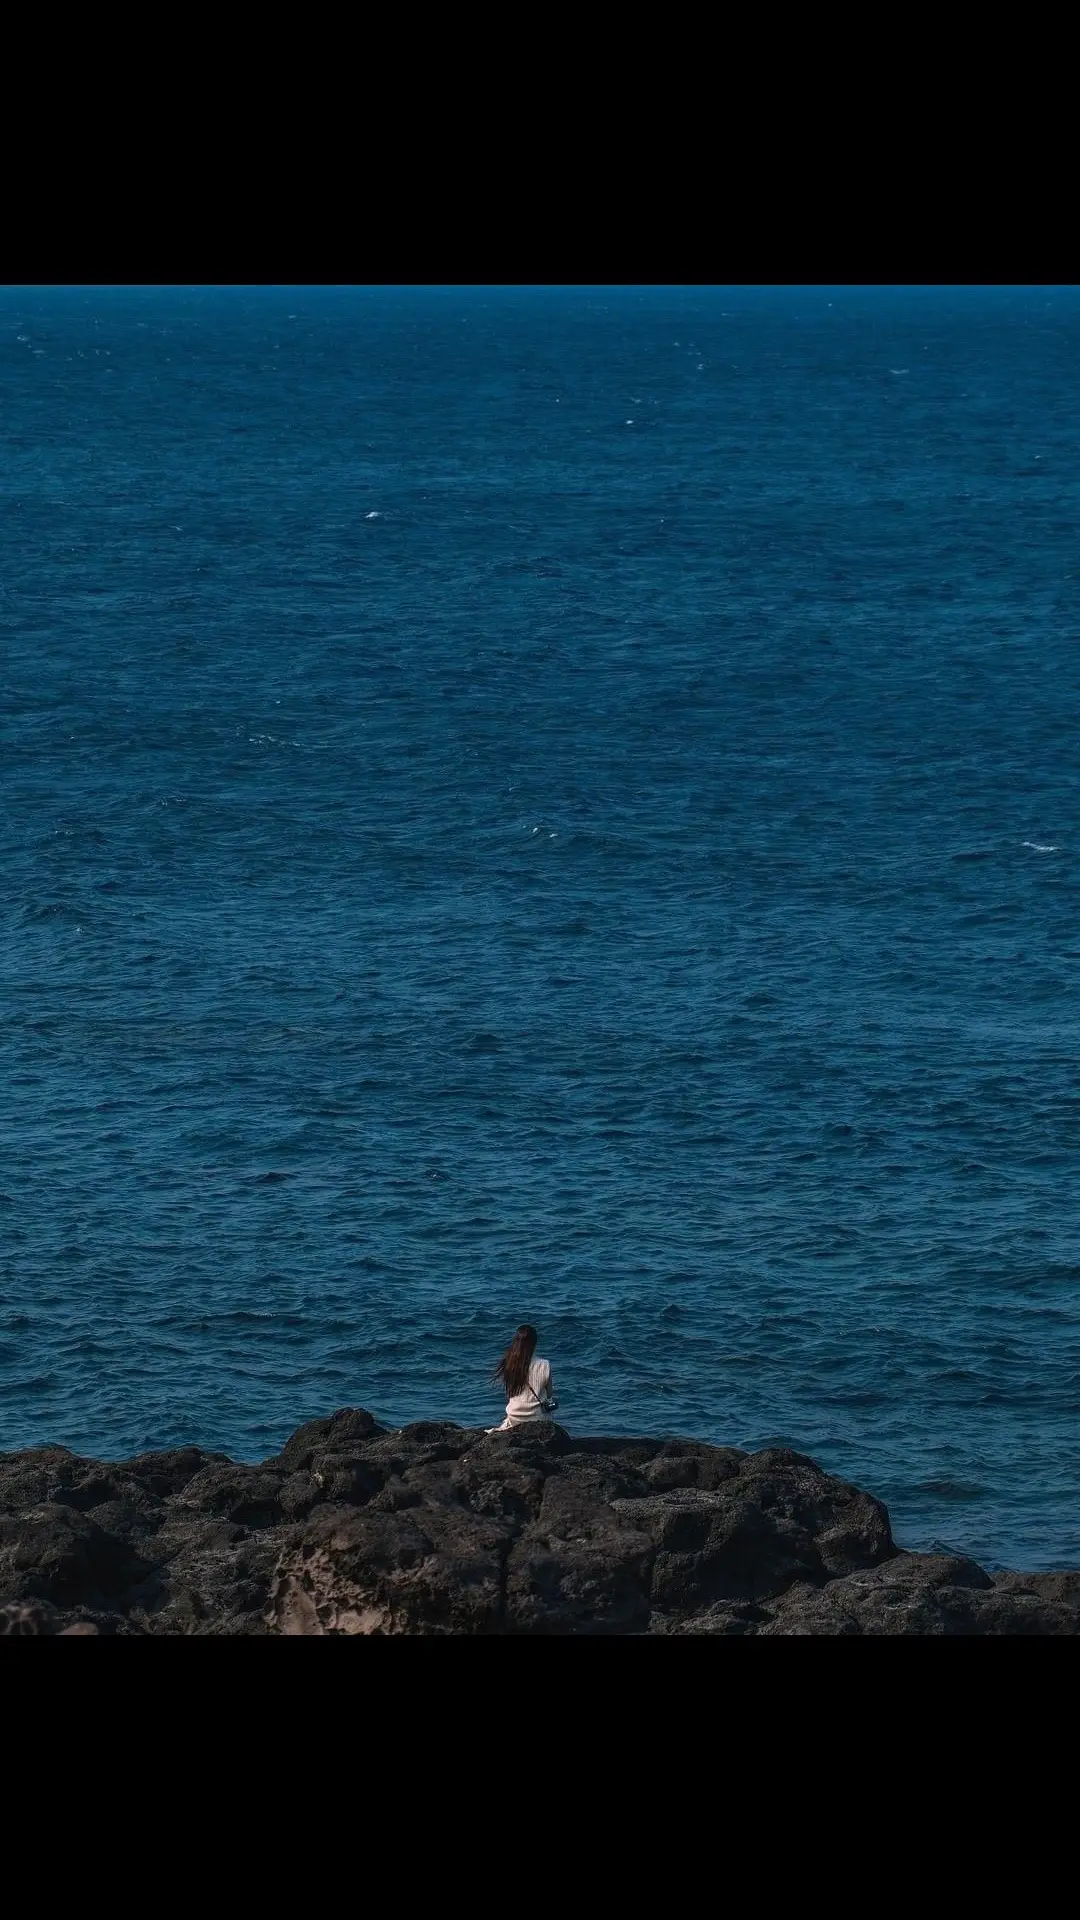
(527, 1382)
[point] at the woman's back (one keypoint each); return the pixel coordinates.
(531, 1402)
(527, 1380)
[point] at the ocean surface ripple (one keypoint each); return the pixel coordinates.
(554, 804)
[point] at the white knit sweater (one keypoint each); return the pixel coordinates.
(533, 1401)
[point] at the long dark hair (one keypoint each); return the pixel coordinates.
(513, 1368)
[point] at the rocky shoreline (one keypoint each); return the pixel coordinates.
(440, 1529)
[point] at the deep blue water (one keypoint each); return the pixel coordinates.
(552, 804)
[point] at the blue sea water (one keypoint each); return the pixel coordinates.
(556, 804)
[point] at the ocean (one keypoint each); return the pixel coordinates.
(552, 804)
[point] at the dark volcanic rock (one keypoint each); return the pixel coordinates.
(348, 1427)
(586, 1578)
(577, 1567)
(911, 1593)
(690, 1463)
(27, 1479)
(165, 1474)
(247, 1495)
(439, 1529)
(55, 1554)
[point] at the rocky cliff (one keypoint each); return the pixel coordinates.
(439, 1529)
